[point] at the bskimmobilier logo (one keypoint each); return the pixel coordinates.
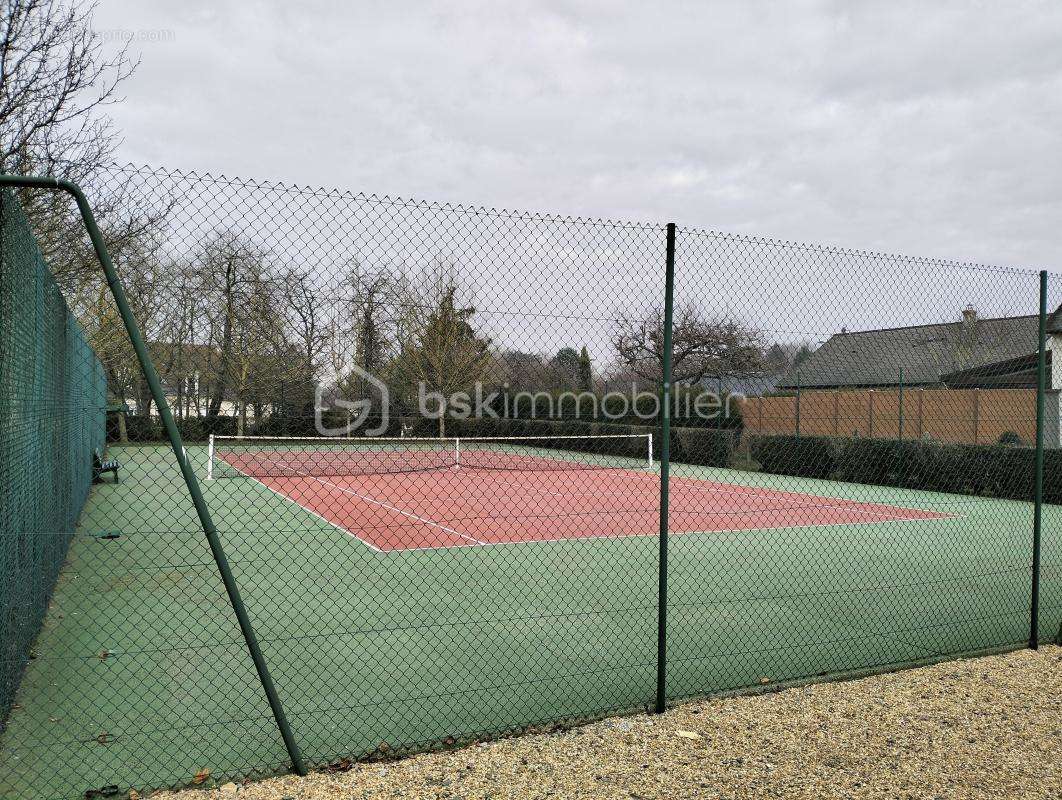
(358, 412)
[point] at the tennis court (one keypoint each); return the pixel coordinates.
(501, 491)
(259, 603)
(377, 650)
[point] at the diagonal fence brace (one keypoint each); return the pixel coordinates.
(174, 436)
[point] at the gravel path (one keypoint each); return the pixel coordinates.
(981, 728)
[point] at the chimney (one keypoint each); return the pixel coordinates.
(969, 316)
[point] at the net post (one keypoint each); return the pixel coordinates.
(650, 437)
(457, 453)
(665, 469)
(1038, 476)
(210, 458)
(176, 443)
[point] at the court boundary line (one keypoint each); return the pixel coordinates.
(726, 531)
(472, 539)
(388, 506)
(757, 490)
(282, 496)
(474, 542)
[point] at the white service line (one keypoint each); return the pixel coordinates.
(753, 492)
(380, 503)
(283, 496)
(868, 511)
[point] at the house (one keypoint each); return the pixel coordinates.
(970, 353)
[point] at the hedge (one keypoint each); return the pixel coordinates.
(702, 446)
(996, 470)
(981, 470)
(710, 447)
(806, 456)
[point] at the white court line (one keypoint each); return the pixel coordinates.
(308, 510)
(473, 542)
(936, 514)
(757, 492)
(654, 534)
(380, 503)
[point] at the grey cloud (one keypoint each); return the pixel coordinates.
(923, 128)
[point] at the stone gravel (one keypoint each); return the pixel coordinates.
(979, 728)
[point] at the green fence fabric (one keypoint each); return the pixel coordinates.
(429, 440)
(52, 419)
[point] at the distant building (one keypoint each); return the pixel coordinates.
(969, 353)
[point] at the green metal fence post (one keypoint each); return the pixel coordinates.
(1038, 486)
(796, 415)
(899, 426)
(665, 471)
(899, 431)
(157, 394)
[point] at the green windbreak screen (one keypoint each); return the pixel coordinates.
(52, 417)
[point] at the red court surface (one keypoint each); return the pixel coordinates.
(460, 507)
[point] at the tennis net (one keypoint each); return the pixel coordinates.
(267, 456)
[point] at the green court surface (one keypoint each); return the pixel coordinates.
(140, 678)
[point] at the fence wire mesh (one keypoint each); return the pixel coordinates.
(429, 438)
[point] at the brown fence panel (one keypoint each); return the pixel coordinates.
(954, 416)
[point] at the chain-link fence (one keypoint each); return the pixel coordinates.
(399, 474)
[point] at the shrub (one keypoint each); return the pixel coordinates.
(982, 470)
(803, 456)
(1003, 471)
(1053, 476)
(630, 448)
(704, 446)
(142, 429)
(870, 461)
(192, 429)
(1009, 438)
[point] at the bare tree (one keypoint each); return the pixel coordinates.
(229, 267)
(373, 300)
(147, 278)
(522, 372)
(781, 356)
(184, 366)
(55, 82)
(701, 346)
(57, 78)
(67, 250)
(259, 332)
(361, 332)
(307, 321)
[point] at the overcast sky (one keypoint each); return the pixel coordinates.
(928, 129)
